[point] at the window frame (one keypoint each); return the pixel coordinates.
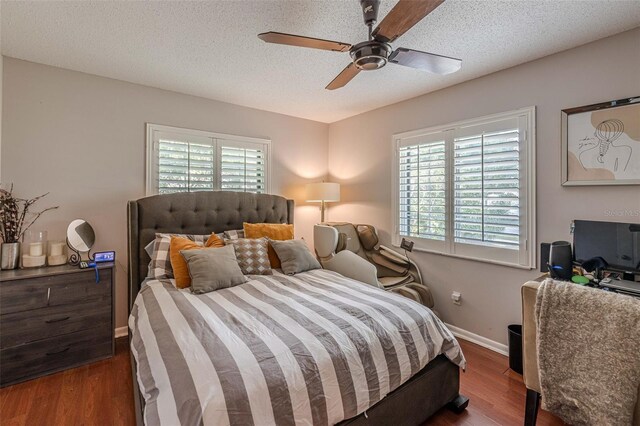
(526, 258)
(216, 138)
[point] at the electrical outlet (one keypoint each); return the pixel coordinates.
(456, 297)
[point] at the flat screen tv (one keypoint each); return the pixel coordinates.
(617, 243)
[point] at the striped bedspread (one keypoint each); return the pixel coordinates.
(314, 348)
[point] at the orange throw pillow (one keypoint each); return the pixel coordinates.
(179, 265)
(275, 231)
(214, 241)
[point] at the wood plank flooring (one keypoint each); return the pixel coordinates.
(101, 394)
(496, 394)
(96, 394)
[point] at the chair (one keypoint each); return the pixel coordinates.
(354, 251)
(530, 356)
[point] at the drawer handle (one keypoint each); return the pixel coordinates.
(58, 352)
(57, 320)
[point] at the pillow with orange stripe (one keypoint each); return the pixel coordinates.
(179, 264)
(274, 231)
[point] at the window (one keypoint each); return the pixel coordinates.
(468, 189)
(182, 160)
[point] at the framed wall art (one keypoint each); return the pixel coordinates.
(601, 144)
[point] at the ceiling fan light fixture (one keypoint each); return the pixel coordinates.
(370, 63)
(370, 55)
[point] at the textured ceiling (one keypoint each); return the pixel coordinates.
(210, 49)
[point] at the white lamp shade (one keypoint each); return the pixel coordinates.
(323, 191)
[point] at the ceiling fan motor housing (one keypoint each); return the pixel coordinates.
(370, 55)
(370, 11)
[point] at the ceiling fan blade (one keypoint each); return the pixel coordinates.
(430, 62)
(344, 77)
(404, 15)
(296, 40)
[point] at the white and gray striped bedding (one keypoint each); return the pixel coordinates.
(314, 348)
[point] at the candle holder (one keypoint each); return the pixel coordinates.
(34, 249)
(57, 253)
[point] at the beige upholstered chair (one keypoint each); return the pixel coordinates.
(530, 356)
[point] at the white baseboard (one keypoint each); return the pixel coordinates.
(479, 340)
(122, 331)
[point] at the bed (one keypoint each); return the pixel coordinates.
(313, 348)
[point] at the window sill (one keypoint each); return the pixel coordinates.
(475, 259)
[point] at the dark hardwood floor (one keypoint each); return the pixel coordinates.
(101, 394)
(96, 394)
(496, 394)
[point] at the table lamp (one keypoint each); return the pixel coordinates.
(323, 192)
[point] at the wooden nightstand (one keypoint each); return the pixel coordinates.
(54, 318)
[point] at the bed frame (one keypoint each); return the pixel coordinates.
(432, 388)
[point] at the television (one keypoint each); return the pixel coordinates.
(617, 243)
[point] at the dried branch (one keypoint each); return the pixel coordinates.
(37, 215)
(14, 213)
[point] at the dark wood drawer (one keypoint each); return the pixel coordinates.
(24, 295)
(54, 318)
(29, 326)
(57, 353)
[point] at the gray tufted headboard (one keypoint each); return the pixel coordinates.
(196, 213)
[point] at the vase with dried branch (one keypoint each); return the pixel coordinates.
(16, 218)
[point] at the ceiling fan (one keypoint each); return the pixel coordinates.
(376, 51)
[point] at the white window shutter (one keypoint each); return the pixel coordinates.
(243, 167)
(422, 189)
(486, 193)
(184, 166)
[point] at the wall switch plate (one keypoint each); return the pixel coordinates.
(406, 245)
(456, 297)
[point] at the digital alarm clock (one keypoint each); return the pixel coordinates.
(104, 256)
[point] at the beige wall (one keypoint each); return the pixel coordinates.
(82, 138)
(360, 158)
(1, 81)
(1, 102)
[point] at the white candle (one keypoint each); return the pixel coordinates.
(35, 249)
(56, 249)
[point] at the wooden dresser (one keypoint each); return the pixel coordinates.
(54, 318)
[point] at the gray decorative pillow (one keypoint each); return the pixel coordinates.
(295, 256)
(212, 269)
(252, 255)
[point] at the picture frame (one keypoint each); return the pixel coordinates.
(601, 143)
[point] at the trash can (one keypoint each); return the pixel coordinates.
(515, 347)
